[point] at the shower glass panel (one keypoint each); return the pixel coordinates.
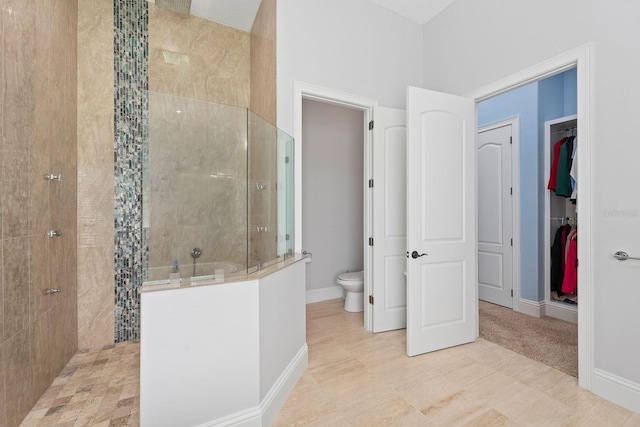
(211, 181)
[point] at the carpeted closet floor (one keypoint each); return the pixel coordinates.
(553, 342)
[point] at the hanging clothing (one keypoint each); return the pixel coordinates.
(573, 173)
(570, 280)
(558, 257)
(563, 180)
(554, 167)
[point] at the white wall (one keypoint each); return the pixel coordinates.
(472, 44)
(332, 191)
(352, 46)
(283, 332)
(199, 354)
(222, 354)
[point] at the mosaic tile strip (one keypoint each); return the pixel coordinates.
(131, 128)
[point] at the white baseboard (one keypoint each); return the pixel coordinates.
(560, 310)
(324, 294)
(531, 308)
(616, 389)
(246, 418)
(264, 414)
(279, 392)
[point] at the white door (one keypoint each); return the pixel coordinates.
(389, 219)
(495, 216)
(442, 303)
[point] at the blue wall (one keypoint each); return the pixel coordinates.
(533, 104)
(522, 103)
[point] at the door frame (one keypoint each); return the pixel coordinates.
(515, 201)
(313, 92)
(581, 58)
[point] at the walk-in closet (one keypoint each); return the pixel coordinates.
(542, 144)
(561, 225)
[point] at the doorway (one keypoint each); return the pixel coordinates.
(513, 172)
(332, 198)
(301, 93)
(581, 59)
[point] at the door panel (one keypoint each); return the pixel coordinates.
(441, 224)
(389, 220)
(495, 216)
(444, 167)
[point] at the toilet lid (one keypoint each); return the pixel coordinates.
(355, 275)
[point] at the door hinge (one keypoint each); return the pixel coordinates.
(370, 241)
(286, 159)
(510, 140)
(371, 299)
(511, 242)
(371, 125)
(511, 293)
(371, 183)
(511, 191)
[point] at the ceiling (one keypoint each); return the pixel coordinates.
(419, 11)
(234, 13)
(241, 13)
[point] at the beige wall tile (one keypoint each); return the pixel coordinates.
(95, 21)
(95, 236)
(95, 296)
(41, 367)
(38, 123)
(16, 285)
(15, 208)
(95, 197)
(3, 365)
(17, 376)
(2, 323)
(196, 58)
(263, 62)
(40, 274)
(95, 101)
(18, 53)
(95, 175)
(39, 220)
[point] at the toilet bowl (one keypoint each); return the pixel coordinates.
(353, 284)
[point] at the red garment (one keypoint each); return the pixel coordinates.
(566, 232)
(570, 281)
(554, 167)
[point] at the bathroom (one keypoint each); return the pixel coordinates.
(332, 203)
(64, 257)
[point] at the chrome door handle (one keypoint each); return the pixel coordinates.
(52, 291)
(623, 256)
(415, 255)
(54, 233)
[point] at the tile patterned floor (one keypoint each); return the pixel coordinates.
(97, 388)
(356, 378)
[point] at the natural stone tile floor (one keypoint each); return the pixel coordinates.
(98, 387)
(356, 378)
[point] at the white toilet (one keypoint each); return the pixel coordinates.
(353, 283)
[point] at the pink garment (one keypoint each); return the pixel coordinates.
(570, 281)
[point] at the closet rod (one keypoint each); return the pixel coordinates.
(565, 218)
(565, 130)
